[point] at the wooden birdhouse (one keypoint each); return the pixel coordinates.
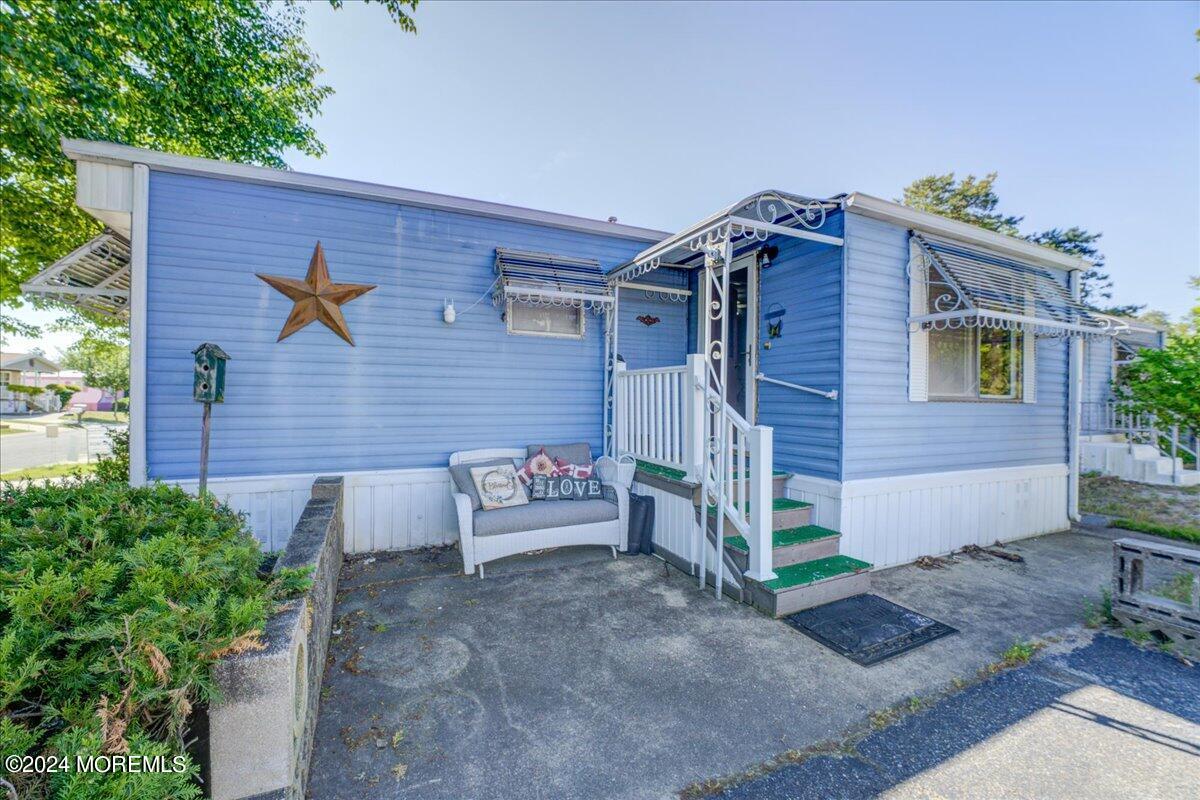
(208, 383)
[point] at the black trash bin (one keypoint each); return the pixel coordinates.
(641, 524)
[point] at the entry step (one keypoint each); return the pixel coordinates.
(811, 583)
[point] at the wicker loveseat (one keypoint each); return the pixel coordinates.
(488, 535)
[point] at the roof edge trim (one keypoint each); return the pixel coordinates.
(877, 208)
(111, 153)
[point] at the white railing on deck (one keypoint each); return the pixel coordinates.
(662, 417)
(1144, 428)
(651, 410)
(748, 488)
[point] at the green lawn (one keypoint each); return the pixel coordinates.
(9, 429)
(1171, 511)
(51, 471)
(104, 416)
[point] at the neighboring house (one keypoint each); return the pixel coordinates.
(1129, 446)
(90, 398)
(1101, 360)
(26, 369)
(64, 377)
(909, 373)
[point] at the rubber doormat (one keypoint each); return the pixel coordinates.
(867, 629)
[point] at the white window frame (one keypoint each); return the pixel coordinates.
(1016, 372)
(920, 360)
(513, 302)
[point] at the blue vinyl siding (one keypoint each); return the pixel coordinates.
(1097, 377)
(412, 391)
(663, 344)
(885, 433)
(805, 279)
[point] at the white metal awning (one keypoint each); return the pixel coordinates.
(748, 222)
(94, 276)
(546, 279)
(974, 288)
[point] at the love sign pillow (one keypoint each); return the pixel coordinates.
(564, 487)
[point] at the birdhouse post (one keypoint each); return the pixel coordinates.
(208, 387)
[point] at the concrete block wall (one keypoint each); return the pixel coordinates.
(261, 730)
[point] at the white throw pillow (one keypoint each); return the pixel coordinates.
(498, 486)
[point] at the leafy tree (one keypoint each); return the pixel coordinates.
(104, 364)
(1164, 382)
(971, 200)
(1192, 321)
(974, 201)
(1155, 317)
(230, 79)
(65, 391)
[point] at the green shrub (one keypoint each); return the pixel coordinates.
(18, 388)
(115, 468)
(65, 391)
(121, 404)
(1180, 532)
(114, 603)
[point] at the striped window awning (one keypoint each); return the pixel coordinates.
(546, 279)
(94, 276)
(967, 287)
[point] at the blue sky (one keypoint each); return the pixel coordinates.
(659, 114)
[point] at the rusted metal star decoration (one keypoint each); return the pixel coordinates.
(316, 297)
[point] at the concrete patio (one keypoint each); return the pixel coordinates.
(569, 674)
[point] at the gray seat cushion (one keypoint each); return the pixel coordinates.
(542, 514)
(461, 475)
(577, 453)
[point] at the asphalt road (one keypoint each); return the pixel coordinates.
(1108, 720)
(23, 450)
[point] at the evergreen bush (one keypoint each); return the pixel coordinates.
(65, 392)
(115, 468)
(114, 603)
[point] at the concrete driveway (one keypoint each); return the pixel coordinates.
(569, 674)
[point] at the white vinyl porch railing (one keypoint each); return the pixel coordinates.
(1142, 427)
(651, 409)
(663, 416)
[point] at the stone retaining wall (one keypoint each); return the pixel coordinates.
(261, 730)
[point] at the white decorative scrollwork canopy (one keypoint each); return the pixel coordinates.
(551, 280)
(747, 223)
(969, 288)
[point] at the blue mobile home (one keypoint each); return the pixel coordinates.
(911, 375)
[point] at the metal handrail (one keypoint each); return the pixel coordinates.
(832, 394)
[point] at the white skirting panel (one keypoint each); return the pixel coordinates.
(384, 510)
(889, 521)
(675, 525)
(825, 496)
(674, 521)
(399, 510)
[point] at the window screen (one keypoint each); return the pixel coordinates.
(542, 320)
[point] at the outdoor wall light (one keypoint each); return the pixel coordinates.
(448, 313)
(768, 253)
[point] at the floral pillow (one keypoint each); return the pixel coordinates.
(537, 464)
(498, 486)
(564, 467)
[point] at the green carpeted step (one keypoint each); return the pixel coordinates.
(658, 469)
(777, 473)
(778, 504)
(807, 572)
(785, 537)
